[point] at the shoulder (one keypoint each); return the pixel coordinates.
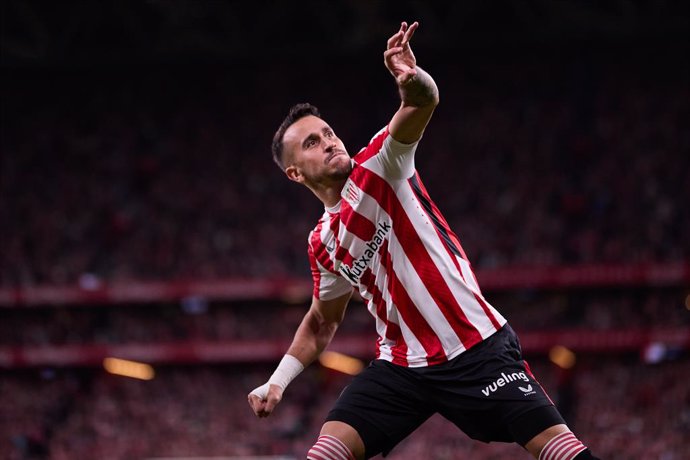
(387, 157)
(315, 235)
(319, 225)
(375, 145)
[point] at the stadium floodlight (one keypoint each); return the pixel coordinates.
(341, 363)
(127, 368)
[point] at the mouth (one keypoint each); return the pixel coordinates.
(334, 154)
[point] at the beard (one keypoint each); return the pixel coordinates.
(335, 172)
(339, 168)
(342, 171)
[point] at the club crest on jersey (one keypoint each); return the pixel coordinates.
(351, 193)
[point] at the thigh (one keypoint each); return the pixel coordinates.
(489, 391)
(384, 404)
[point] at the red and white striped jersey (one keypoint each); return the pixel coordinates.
(388, 239)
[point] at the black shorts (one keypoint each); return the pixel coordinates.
(487, 391)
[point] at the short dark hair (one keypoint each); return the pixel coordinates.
(297, 111)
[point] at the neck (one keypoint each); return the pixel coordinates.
(329, 194)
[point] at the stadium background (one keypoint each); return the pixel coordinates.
(142, 217)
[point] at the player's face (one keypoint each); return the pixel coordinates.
(314, 154)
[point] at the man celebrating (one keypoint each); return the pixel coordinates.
(442, 347)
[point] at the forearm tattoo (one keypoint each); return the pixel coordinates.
(420, 91)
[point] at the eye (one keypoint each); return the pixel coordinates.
(329, 133)
(310, 143)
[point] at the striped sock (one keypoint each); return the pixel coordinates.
(329, 448)
(563, 446)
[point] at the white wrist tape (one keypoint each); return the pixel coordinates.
(289, 368)
(261, 391)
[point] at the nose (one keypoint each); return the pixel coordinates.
(330, 145)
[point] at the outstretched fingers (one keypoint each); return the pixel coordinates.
(403, 36)
(395, 40)
(408, 33)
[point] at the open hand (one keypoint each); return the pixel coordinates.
(398, 57)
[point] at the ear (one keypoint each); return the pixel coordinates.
(294, 174)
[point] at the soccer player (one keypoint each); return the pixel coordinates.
(442, 347)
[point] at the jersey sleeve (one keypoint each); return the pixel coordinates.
(327, 284)
(393, 159)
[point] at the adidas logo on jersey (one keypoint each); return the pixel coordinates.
(505, 379)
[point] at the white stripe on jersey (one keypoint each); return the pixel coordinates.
(330, 285)
(367, 206)
(446, 316)
(471, 282)
(441, 258)
(404, 270)
(415, 350)
(432, 314)
(416, 354)
(384, 345)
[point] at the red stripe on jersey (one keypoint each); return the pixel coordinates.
(410, 314)
(435, 214)
(356, 223)
(418, 255)
(335, 224)
(315, 273)
(375, 299)
(448, 239)
(319, 249)
(341, 252)
(487, 311)
(453, 250)
(393, 332)
(373, 148)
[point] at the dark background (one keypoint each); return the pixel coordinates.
(135, 147)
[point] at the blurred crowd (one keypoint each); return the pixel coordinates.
(162, 170)
(219, 322)
(167, 173)
(621, 408)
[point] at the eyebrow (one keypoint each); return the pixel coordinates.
(308, 138)
(314, 135)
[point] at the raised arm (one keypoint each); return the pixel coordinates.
(312, 337)
(418, 91)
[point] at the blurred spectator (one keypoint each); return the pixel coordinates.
(526, 311)
(627, 410)
(168, 175)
